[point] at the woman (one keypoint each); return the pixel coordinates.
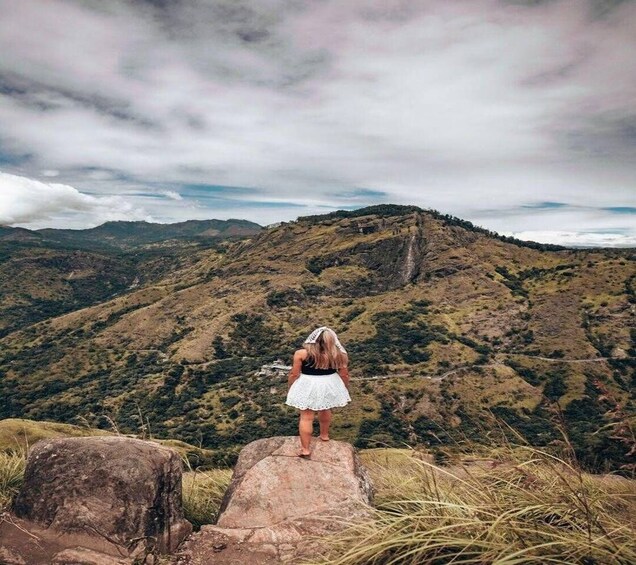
(318, 381)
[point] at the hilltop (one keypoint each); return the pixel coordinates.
(449, 328)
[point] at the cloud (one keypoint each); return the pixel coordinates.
(565, 225)
(577, 239)
(25, 201)
(172, 195)
(462, 106)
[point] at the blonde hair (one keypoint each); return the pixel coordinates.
(324, 353)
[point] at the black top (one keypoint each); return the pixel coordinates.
(307, 368)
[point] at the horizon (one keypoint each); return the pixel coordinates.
(515, 115)
(276, 224)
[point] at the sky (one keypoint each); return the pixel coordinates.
(518, 115)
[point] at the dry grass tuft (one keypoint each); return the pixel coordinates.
(202, 494)
(12, 464)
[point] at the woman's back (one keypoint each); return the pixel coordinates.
(307, 368)
(322, 354)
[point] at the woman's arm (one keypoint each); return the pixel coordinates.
(344, 375)
(294, 373)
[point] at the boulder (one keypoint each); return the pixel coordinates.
(112, 494)
(271, 484)
(278, 504)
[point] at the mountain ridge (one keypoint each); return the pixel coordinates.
(378, 209)
(131, 234)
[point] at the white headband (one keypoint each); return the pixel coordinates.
(313, 337)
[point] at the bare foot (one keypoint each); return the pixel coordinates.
(304, 454)
(324, 438)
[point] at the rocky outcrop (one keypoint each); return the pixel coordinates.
(270, 484)
(278, 504)
(116, 495)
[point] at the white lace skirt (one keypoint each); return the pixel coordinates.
(318, 392)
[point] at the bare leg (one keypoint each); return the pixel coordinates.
(305, 429)
(324, 417)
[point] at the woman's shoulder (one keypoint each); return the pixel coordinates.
(300, 354)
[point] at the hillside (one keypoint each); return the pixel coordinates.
(449, 328)
(49, 272)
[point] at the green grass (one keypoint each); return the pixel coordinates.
(17, 433)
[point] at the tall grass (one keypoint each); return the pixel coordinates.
(12, 464)
(527, 506)
(202, 493)
(505, 506)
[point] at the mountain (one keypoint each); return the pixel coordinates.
(453, 332)
(45, 273)
(127, 235)
(21, 235)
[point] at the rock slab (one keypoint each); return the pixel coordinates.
(278, 505)
(113, 493)
(271, 484)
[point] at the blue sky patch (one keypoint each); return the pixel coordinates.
(9, 158)
(213, 191)
(545, 205)
(146, 194)
(362, 193)
(266, 204)
(620, 209)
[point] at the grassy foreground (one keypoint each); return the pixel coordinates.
(502, 506)
(516, 505)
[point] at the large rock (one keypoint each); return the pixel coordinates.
(271, 484)
(277, 502)
(113, 494)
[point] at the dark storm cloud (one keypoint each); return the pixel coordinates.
(517, 115)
